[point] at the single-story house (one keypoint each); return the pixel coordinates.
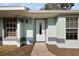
(59, 27)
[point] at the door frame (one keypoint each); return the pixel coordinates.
(45, 28)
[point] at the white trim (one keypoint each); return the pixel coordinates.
(18, 33)
(3, 33)
(18, 29)
(78, 28)
(12, 8)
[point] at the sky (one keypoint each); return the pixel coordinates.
(76, 7)
(35, 6)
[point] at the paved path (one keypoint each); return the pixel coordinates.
(40, 49)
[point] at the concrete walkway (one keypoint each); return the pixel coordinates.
(40, 49)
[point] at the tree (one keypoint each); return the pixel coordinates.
(58, 6)
(67, 6)
(54, 6)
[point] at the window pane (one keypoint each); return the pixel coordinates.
(67, 25)
(40, 28)
(74, 30)
(70, 25)
(75, 19)
(72, 22)
(75, 25)
(67, 19)
(67, 36)
(71, 19)
(71, 34)
(75, 36)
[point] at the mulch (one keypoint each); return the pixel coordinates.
(9, 50)
(63, 51)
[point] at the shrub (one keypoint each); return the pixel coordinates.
(22, 39)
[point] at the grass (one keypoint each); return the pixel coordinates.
(14, 51)
(63, 51)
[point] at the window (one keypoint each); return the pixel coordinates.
(10, 26)
(72, 22)
(26, 20)
(40, 28)
(72, 28)
(71, 34)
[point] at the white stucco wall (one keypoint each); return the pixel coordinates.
(10, 42)
(51, 30)
(29, 30)
(25, 29)
(60, 29)
(51, 27)
(56, 28)
(70, 43)
(21, 28)
(55, 33)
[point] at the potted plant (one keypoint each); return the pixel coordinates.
(23, 41)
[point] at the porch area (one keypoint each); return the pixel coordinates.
(15, 31)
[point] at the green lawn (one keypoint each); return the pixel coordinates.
(14, 51)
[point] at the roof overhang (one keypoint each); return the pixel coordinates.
(51, 13)
(13, 11)
(22, 11)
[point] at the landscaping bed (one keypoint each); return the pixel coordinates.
(9, 50)
(63, 51)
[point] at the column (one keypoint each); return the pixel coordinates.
(18, 33)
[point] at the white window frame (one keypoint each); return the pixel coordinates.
(72, 27)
